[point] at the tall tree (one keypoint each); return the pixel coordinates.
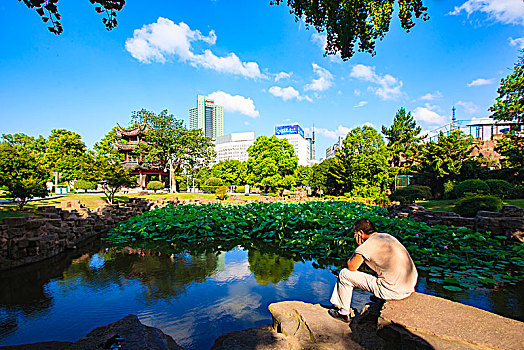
(168, 142)
(320, 180)
(403, 141)
(361, 166)
(442, 161)
(272, 163)
(354, 22)
(303, 174)
(229, 171)
(106, 146)
(21, 173)
(509, 105)
(65, 153)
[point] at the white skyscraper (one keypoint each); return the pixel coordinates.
(208, 117)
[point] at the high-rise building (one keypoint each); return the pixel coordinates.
(295, 136)
(234, 146)
(208, 117)
(332, 150)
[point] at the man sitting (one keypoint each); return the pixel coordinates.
(384, 254)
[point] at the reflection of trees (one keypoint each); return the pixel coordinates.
(269, 267)
(164, 275)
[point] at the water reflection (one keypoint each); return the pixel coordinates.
(193, 295)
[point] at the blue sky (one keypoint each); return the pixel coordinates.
(253, 58)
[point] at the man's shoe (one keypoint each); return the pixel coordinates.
(335, 314)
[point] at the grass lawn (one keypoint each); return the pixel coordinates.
(449, 204)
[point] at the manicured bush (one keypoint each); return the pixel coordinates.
(221, 193)
(240, 189)
(85, 185)
(470, 205)
(473, 186)
(410, 194)
(272, 194)
(155, 185)
(501, 188)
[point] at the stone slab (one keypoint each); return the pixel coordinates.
(463, 326)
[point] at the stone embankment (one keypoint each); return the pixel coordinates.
(418, 322)
(509, 221)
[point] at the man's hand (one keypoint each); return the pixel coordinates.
(355, 262)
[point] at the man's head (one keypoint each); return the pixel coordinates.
(363, 228)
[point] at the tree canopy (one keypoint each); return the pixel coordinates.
(65, 153)
(354, 23)
(48, 10)
(362, 163)
(403, 140)
(21, 173)
(229, 171)
(272, 162)
(509, 105)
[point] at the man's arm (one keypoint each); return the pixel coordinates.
(355, 262)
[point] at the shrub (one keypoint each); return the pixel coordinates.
(214, 181)
(473, 186)
(272, 194)
(212, 184)
(85, 185)
(182, 186)
(240, 189)
(470, 205)
(501, 188)
(449, 187)
(155, 185)
(410, 194)
(221, 193)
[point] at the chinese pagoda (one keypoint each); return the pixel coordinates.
(146, 171)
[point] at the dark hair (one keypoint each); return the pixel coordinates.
(365, 225)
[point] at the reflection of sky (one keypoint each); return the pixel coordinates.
(97, 261)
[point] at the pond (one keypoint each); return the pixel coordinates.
(192, 297)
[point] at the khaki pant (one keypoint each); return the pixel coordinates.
(347, 280)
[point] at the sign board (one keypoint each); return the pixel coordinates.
(289, 130)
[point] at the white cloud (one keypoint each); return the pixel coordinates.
(428, 115)
(319, 40)
(480, 82)
(283, 75)
(389, 87)
(469, 107)
(324, 81)
(360, 104)
(369, 124)
(430, 97)
(235, 103)
(519, 42)
(504, 11)
(159, 41)
(341, 131)
(287, 93)
(356, 92)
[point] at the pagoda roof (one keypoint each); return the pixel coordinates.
(131, 132)
(124, 146)
(143, 165)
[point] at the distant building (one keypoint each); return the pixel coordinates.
(145, 171)
(234, 146)
(295, 136)
(208, 117)
(332, 150)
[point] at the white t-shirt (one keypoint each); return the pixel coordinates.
(391, 261)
